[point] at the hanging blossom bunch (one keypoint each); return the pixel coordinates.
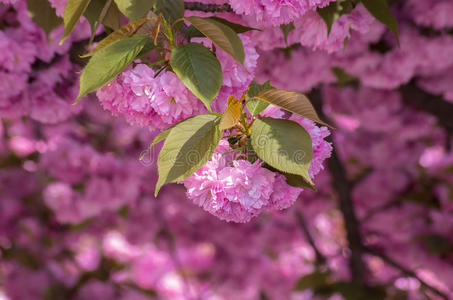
(174, 73)
(79, 215)
(237, 190)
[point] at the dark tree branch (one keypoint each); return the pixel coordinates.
(375, 210)
(343, 186)
(320, 259)
(198, 6)
(344, 190)
(80, 48)
(418, 99)
(406, 271)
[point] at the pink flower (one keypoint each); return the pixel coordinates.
(232, 193)
(147, 101)
(237, 190)
(311, 30)
(283, 195)
(276, 12)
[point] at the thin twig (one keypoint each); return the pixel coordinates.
(405, 271)
(320, 259)
(214, 8)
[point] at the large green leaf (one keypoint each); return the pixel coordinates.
(188, 146)
(93, 12)
(160, 137)
(73, 11)
(109, 62)
(112, 19)
(284, 145)
(124, 32)
(43, 15)
(198, 69)
(238, 28)
(292, 101)
(381, 11)
(297, 181)
(171, 9)
(255, 106)
(221, 35)
(102, 12)
(134, 9)
(192, 32)
(291, 179)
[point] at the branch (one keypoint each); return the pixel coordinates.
(80, 48)
(320, 259)
(343, 186)
(198, 6)
(375, 210)
(344, 190)
(418, 99)
(405, 271)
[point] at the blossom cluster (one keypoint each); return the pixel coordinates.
(237, 190)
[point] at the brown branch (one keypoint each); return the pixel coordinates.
(405, 271)
(378, 209)
(320, 259)
(80, 48)
(418, 99)
(344, 190)
(198, 6)
(343, 186)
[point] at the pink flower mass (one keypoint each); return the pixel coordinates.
(80, 218)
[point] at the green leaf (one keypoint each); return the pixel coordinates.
(192, 32)
(312, 281)
(256, 106)
(73, 11)
(286, 29)
(292, 101)
(284, 145)
(93, 12)
(344, 78)
(108, 62)
(134, 9)
(436, 244)
(232, 114)
(297, 181)
(291, 179)
(198, 69)
(221, 35)
(171, 9)
(43, 15)
(333, 11)
(122, 33)
(188, 146)
(251, 154)
(112, 19)
(381, 11)
(352, 291)
(238, 28)
(160, 137)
